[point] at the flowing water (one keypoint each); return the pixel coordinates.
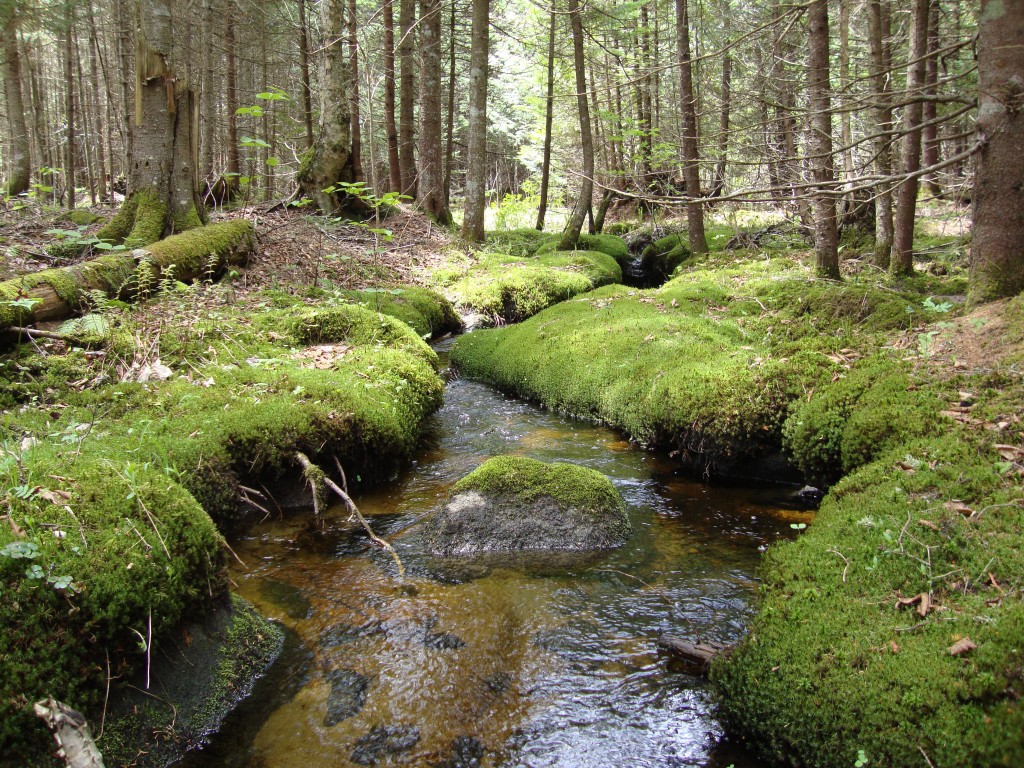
(513, 661)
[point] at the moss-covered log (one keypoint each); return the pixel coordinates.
(54, 294)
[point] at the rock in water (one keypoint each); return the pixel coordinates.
(511, 503)
(348, 694)
(384, 740)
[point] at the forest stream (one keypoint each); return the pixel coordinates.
(520, 661)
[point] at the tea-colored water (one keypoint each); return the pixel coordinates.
(534, 661)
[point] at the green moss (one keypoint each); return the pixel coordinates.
(135, 545)
(831, 665)
(521, 242)
(187, 219)
(200, 251)
(358, 325)
(660, 259)
(508, 289)
(526, 480)
(82, 218)
(874, 406)
(150, 220)
(118, 228)
(426, 311)
(607, 244)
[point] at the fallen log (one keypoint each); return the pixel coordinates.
(55, 294)
(694, 658)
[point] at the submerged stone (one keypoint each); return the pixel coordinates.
(348, 694)
(512, 503)
(384, 740)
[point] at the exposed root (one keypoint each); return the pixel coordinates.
(311, 470)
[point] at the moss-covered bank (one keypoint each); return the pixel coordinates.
(705, 366)
(833, 664)
(118, 490)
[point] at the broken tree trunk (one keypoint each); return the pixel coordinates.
(694, 658)
(55, 294)
(74, 742)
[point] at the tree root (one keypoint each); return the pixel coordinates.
(317, 477)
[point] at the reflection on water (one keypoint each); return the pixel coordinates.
(501, 662)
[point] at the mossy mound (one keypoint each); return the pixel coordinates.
(705, 365)
(511, 503)
(833, 665)
(81, 218)
(520, 242)
(607, 244)
(872, 407)
(659, 259)
(98, 549)
(507, 289)
(427, 312)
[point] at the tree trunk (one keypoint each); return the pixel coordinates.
(878, 41)
(330, 160)
(571, 234)
(476, 170)
(688, 109)
(549, 110)
(21, 158)
(307, 87)
(929, 112)
(69, 101)
(997, 260)
(902, 262)
(826, 237)
(407, 97)
(101, 128)
(390, 126)
(353, 53)
(231, 97)
(450, 134)
(723, 127)
(431, 179)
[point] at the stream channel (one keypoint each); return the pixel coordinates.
(516, 661)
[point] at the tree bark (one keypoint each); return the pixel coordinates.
(549, 110)
(69, 101)
(930, 134)
(878, 42)
(390, 126)
(231, 97)
(307, 87)
(101, 129)
(688, 113)
(902, 262)
(353, 53)
(571, 234)
(476, 170)
(997, 260)
(407, 96)
(723, 126)
(21, 157)
(826, 236)
(330, 160)
(431, 178)
(450, 129)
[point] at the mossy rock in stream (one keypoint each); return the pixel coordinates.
(512, 503)
(832, 663)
